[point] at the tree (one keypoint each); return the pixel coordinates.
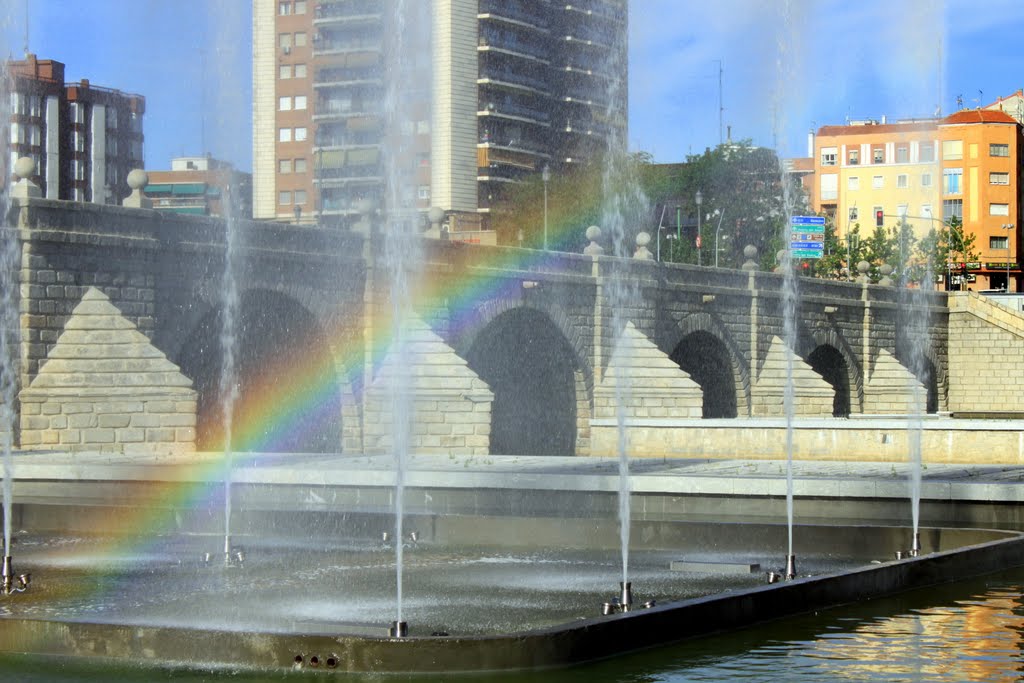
(944, 248)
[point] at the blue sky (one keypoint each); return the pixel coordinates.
(787, 65)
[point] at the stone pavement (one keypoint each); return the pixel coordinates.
(731, 477)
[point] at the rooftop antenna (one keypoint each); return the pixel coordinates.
(721, 109)
(26, 29)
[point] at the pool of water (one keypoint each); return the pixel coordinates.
(349, 587)
(968, 631)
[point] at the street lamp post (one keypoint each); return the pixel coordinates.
(851, 246)
(545, 176)
(721, 215)
(1008, 227)
(699, 198)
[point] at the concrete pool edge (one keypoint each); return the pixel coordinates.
(573, 643)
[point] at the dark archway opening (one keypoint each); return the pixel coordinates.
(289, 398)
(528, 364)
(926, 375)
(706, 359)
(830, 364)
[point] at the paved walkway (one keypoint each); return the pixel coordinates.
(734, 477)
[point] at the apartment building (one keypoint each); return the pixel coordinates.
(84, 139)
(200, 186)
(495, 90)
(925, 172)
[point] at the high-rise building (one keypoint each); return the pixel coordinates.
(503, 89)
(968, 166)
(84, 139)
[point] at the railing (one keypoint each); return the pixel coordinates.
(348, 9)
(506, 40)
(512, 109)
(513, 77)
(512, 10)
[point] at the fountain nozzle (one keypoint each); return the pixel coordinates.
(626, 595)
(790, 567)
(399, 629)
(12, 583)
(915, 548)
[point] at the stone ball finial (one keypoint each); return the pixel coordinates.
(435, 215)
(863, 267)
(24, 167)
(138, 179)
(886, 269)
(750, 252)
(593, 249)
(642, 252)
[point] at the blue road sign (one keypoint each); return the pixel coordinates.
(807, 220)
(820, 246)
(806, 253)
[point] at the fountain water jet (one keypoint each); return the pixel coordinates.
(229, 392)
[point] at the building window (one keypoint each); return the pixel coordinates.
(285, 72)
(284, 41)
(995, 178)
(300, 196)
(284, 197)
(284, 166)
(300, 134)
(878, 154)
(998, 242)
(926, 180)
(300, 165)
(284, 135)
(998, 209)
(901, 181)
(902, 153)
(997, 150)
(927, 152)
(828, 156)
(854, 214)
(829, 186)
(423, 127)
(853, 183)
(879, 217)
(952, 208)
(284, 103)
(300, 102)
(902, 210)
(300, 71)
(300, 6)
(952, 149)
(423, 192)
(300, 39)
(926, 211)
(853, 157)
(284, 8)
(76, 112)
(952, 180)
(877, 182)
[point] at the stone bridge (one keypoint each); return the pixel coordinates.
(507, 350)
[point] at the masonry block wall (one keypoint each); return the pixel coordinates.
(986, 366)
(104, 387)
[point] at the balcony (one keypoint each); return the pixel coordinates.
(356, 11)
(513, 111)
(327, 44)
(512, 11)
(513, 44)
(333, 110)
(491, 75)
(345, 77)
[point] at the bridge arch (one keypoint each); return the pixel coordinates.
(289, 392)
(703, 348)
(926, 367)
(534, 371)
(829, 354)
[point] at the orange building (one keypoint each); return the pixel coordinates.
(981, 182)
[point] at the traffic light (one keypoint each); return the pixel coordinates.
(879, 218)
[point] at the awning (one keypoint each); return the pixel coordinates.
(363, 157)
(333, 158)
(188, 188)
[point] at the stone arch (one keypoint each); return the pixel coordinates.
(532, 369)
(829, 354)
(702, 347)
(289, 389)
